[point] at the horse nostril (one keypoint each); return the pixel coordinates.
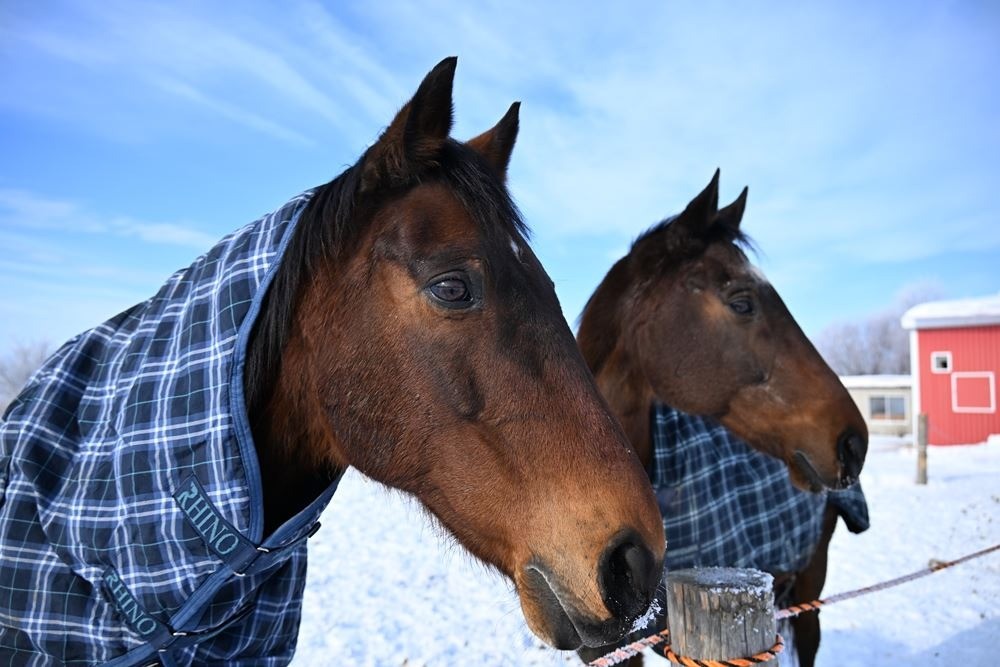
(851, 450)
(628, 578)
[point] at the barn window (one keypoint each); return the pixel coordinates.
(886, 408)
(940, 362)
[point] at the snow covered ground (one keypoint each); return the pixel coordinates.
(385, 588)
(951, 617)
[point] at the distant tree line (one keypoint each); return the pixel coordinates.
(17, 365)
(877, 344)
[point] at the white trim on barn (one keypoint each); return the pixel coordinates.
(914, 381)
(968, 375)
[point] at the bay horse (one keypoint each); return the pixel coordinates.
(685, 320)
(394, 319)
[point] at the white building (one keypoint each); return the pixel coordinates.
(885, 402)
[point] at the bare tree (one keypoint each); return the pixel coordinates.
(17, 365)
(878, 344)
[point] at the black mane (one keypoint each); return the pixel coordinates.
(331, 224)
(673, 248)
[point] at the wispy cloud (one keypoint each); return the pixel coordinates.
(831, 124)
(66, 267)
(163, 233)
(20, 208)
(26, 210)
(242, 69)
(242, 116)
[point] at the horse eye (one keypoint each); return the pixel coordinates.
(742, 306)
(452, 291)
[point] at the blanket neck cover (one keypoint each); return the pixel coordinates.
(131, 512)
(725, 504)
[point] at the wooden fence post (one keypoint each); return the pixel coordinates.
(719, 613)
(922, 448)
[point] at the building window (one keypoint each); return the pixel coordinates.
(940, 362)
(886, 408)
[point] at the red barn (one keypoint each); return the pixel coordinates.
(954, 362)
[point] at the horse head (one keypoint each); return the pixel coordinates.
(425, 346)
(685, 318)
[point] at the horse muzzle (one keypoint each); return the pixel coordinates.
(628, 576)
(851, 451)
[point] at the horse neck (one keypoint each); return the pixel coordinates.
(291, 435)
(292, 440)
(631, 398)
(602, 338)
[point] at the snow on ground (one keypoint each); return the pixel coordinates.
(951, 617)
(385, 588)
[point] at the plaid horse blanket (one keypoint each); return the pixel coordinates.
(726, 504)
(131, 515)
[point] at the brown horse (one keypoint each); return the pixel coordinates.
(685, 319)
(412, 333)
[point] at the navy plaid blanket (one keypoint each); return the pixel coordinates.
(725, 504)
(131, 516)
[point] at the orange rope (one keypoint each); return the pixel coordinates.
(623, 653)
(756, 659)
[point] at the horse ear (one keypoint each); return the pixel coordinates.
(699, 214)
(732, 215)
(497, 143)
(414, 138)
(704, 206)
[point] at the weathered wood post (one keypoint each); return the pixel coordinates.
(922, 448)
(719, 613)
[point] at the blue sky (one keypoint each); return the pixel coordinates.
(133, 135)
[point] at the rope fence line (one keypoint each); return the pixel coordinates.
(795, 610)
(623, 653)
